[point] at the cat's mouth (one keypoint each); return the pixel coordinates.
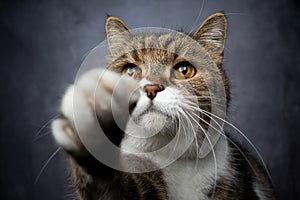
(153, 111)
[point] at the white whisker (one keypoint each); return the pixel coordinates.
(41, 136)
(194, 26)
(194, 135)
(230, 140)
(46, 164)
(239, 131)
(46, 124)
(176, 143)
(212, 149)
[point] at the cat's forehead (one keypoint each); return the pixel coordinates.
(170, 41)
(165, 41)
(159, 48)
(150, 56)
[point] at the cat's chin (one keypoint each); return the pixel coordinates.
(152, 123)
(153, 120)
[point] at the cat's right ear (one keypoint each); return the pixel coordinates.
(117, 34)
(114, 26)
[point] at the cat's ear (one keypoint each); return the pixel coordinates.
(212, 34)
(117, 34)
(114, 26)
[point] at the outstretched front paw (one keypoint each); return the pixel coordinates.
(99, 99)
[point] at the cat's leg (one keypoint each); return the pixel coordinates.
(85, 107)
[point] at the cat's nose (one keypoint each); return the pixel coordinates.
(152, 89)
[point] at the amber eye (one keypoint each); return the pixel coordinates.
(184, 70)
(131, 70)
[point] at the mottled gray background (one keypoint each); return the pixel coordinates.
(44, 42)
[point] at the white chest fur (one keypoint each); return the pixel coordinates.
(188, 179)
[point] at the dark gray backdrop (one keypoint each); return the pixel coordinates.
(44, 42)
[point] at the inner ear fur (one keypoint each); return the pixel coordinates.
(212, 35)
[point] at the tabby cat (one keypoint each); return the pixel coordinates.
(157, 87)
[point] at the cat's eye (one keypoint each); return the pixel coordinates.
(184, 70)
(131, 70)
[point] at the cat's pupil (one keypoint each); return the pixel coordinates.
(183, 70)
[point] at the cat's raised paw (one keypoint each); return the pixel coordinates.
(98, 98)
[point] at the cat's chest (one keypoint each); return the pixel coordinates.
(185, 180)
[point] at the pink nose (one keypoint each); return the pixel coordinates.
(153, 89)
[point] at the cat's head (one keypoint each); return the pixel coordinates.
(181, 73)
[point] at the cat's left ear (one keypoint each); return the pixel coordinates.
(212, 35)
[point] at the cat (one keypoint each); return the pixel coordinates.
(166, 84)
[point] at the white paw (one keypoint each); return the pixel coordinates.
(65, 136)
(98, 94)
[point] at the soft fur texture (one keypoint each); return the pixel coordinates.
(168, 103)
